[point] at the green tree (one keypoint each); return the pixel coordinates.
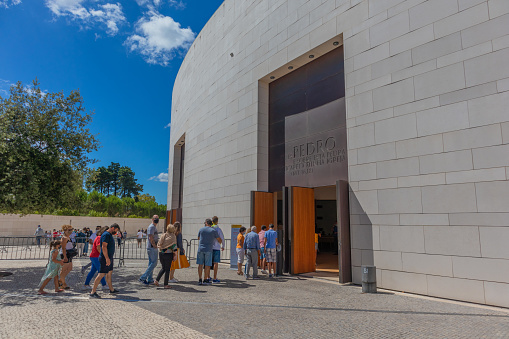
(113, 170)
(113, 206)
(44, 146)
(145, 197)
(114, 179)
(127, 183)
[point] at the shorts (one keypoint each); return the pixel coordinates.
(104, 268)
(270, 255)
(240, 255)
(204, 258)
(262, 251)
(316, 246)
(216, 256)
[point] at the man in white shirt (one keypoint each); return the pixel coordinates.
(216, 249)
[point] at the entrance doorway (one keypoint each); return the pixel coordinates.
(303, 214)
(327, 263)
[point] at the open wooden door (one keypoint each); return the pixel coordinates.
(343, 217)
(262, 209)
(302, 229)
(173, 216)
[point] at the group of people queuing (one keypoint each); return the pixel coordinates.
(259, 249)
(170, 250)
(64, 249)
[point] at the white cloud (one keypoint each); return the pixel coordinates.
(88, 13)
(9, 3)
(168, 126)
(153, 4)
(158, 38)
(162, 177)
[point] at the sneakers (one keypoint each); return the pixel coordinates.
(105, 287)
(200, 282)
(173, 280)
(144, 282)
(87, 287)
(216, 281)
(271, 275)
(264, 272)
(246, 276)
(256, 278)
(115, 291)
(94, 295)
(207, 281)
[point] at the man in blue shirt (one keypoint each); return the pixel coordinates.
(252, 248)
(206, 237)
(270, 249)
(106, 260)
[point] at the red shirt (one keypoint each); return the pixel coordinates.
(95, 253)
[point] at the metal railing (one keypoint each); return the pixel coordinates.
(192, 250)
(29, 248)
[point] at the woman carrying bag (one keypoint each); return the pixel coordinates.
(67, 252)
(180, 261)
(167, 246)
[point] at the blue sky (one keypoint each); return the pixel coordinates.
(122, 55)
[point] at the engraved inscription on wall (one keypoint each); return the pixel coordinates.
(315, 147)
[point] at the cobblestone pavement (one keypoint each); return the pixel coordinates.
(286, 307)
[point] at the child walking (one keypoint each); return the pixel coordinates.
(52, 269)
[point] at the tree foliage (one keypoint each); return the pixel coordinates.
(44, 142)
(96, 204)
(113, 180)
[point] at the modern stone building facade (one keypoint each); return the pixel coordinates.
(426, 89)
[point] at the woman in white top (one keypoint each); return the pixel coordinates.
(66, 253)
(140, 237)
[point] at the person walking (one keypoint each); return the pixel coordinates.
(73, 236)
(91, 240)
(94, 259)
(88, 233)
(206, 236)
(181, 261)
(39, 233)
(252, 249)
(261, 236)
(216, 249)
(167, 247)
(68, 252)
(240, 249)
(52, 269)
(140, 238)
(106, 260)
(80, 242)
(152, 239)
(270, 245)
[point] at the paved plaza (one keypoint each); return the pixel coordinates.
(286, 307)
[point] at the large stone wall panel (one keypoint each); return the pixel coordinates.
(453, 240)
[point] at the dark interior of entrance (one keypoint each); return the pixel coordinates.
(325, 220)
